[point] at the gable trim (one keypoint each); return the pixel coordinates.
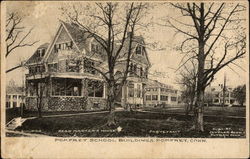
(53, 42)
(70, 36)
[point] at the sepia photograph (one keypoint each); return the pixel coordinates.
(135, 69)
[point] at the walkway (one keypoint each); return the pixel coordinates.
(23, 134)
(14, 123)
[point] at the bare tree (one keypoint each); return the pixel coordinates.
(188, 81)
(112, 25)
(16, 36)
(240, 94)
(214, 35)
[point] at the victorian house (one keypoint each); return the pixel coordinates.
(62, 77)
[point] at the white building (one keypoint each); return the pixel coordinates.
(14, 97)
(159, 94)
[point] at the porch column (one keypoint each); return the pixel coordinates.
(49, 87)
(84, 88)
(104, 90)
(124, 95)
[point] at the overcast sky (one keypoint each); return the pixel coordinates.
(44, 18)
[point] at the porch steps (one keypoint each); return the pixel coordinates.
(14, 123)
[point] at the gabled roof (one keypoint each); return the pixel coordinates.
(35, 58)
(218, 88)
(78, 35)
(14, 90)
(80, 39)
(157, 84)
(138, 40)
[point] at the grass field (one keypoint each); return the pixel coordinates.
(136, 124)
(216, 111)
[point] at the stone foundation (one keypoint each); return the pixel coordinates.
(67, 103)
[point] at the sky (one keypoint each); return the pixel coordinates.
(44, 17)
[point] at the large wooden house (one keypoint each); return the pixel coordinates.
(160, 94)
(61, 75)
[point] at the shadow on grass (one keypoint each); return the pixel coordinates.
(136, 124)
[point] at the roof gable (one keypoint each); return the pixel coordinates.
(66, 33)
(35, 58)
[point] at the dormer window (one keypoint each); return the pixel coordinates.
(41, 52)
(95, 48)
(139, 50)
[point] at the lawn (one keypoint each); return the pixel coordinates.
(136, 124)
(15, 112)
(210, 111)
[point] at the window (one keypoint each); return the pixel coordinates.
(63, 46)
(95, 48)
(95, 88)
(216, 100)
(31, 70)
(41, 52)
(7, 104)
(66, 87)
(15, 97)
(36, 69)
(148, 97)
(164, 98)
(89, 66)
(154, 97)
(231, 101)
(135, 69)
(53, 67)
(131, 90)
(8, 97)
(162, 89)
(73, 65)
(146, 73)
(141, 72)
(139, 50)
(139, 91)
(173, 99)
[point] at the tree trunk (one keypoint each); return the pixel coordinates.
(199, 124)
(110, 103)
(39, 113)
